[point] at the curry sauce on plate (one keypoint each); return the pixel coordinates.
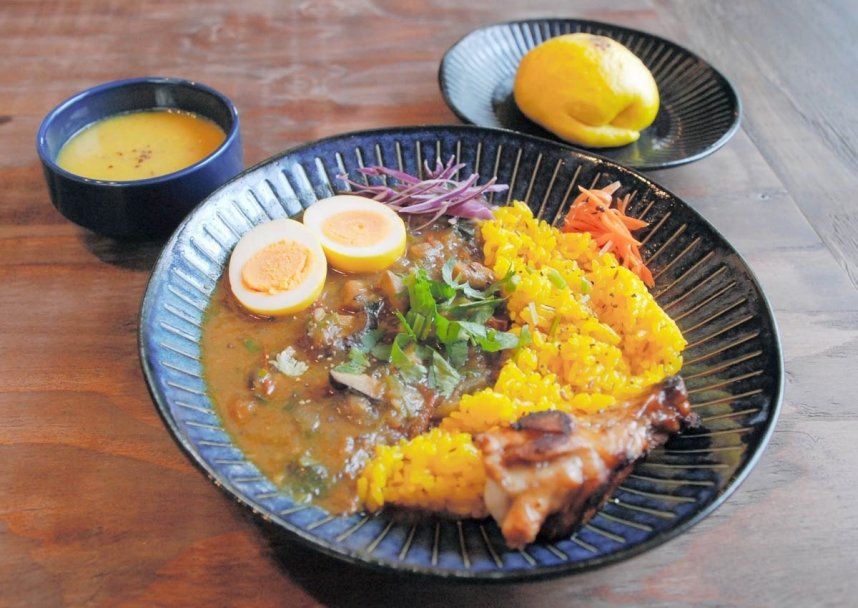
(283, 387)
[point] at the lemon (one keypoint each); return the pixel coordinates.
(587, 89)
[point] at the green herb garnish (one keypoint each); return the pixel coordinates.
(444, 321)
(358, 358)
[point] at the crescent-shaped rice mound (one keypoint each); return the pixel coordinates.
(597, 337)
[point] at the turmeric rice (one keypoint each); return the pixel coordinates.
(597, 337)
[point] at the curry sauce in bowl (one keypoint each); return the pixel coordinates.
(140, 145)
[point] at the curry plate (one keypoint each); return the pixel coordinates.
(733, 365)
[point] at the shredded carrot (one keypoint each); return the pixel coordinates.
(610, 227)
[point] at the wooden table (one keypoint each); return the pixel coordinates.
(99, 507)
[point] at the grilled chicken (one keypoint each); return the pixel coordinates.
(550, 472)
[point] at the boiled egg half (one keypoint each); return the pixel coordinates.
(277, 268)
(357, 234)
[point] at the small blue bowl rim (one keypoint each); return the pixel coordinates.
(229, 140)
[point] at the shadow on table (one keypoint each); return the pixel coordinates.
(332, 582)
(131, 255)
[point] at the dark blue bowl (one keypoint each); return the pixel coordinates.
(733, 365)
(146, 208)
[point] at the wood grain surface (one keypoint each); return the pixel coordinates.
(98, 505)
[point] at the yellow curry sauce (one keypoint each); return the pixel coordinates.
(270, 378)
(140, 145)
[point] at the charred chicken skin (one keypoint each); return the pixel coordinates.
(550, 471)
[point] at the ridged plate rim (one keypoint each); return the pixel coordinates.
(185, 273)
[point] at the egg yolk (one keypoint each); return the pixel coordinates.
(279, 267)
(357, 234)
(358, 228)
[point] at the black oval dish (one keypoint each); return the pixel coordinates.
(699, 109)
(733, 366)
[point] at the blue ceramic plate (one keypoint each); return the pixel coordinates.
(733, 363)
(699, 110)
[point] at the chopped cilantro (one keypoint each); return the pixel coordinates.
(357, 362)
(449, 317)
(457, 352)
(411, 368)
(443, 377)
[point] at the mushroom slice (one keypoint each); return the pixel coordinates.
(361, 383)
